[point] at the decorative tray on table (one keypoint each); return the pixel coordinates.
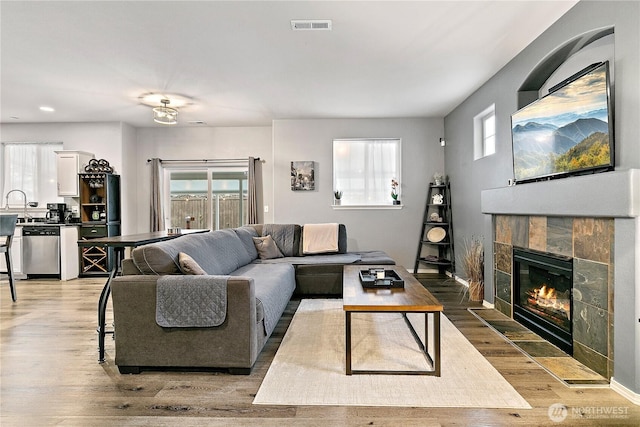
(378, 278)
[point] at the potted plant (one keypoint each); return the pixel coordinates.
(337, 195)
(473, 263)
(437, 178)
(394, 191)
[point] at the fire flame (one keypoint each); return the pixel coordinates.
(547, 297)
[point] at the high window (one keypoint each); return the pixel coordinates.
(484, 125)
(363, 170)
(209, 197)
(30, 167)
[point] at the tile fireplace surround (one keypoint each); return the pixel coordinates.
(589, 241)
(595, 219)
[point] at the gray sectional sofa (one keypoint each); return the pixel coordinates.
(211, 300)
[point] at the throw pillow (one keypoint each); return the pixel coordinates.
(267, 248)
(189, 266)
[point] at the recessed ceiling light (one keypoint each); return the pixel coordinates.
(47, 109)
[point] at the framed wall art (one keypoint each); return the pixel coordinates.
(302, 176)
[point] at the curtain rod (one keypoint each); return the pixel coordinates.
(205, 160)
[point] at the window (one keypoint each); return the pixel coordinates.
(30, 167)
(489, 134)
(363, 170)
(215, 197)
(484, 128)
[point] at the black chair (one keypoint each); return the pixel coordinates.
(7, 229)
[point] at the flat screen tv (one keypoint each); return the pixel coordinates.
(567, 132)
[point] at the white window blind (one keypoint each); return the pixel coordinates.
(30, 167)
(363, 170)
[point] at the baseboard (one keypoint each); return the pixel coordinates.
(460, 280)
(625, 392)
(430, 271)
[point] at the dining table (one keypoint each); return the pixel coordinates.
(119, 244)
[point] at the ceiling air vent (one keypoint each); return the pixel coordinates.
(310, 24)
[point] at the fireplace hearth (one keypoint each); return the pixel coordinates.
(543, 295)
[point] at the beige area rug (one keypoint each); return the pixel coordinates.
(309, 367)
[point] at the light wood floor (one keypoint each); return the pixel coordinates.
(50, 376)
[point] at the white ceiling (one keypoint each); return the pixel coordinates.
(242, 65)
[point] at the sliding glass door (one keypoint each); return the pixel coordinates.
(208, 197)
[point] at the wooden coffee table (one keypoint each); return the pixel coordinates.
(413, 298)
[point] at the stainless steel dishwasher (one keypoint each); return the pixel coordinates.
(41, 250)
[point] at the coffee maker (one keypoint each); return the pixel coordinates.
(56, 212)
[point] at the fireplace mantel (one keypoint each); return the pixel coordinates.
(612, 197)
(613, 194)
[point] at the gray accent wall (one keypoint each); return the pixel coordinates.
(395, 231)
(487, 177)
(200, 143)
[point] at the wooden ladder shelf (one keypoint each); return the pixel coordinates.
(435, 247)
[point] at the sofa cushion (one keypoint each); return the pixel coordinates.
(217, 252)
(188, 265)
(246, 234)
(267, 248)
(274, 286)
(374, 257)
(286, 236)
(320, 259)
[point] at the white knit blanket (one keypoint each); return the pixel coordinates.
(319, 238)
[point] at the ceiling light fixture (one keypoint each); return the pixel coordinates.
(165, 115)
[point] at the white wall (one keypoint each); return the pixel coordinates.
(107, 141)
(102, 139)
(394, 231)
(128, 180)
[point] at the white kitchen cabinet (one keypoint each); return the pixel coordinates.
(69, 258)
(69, 163)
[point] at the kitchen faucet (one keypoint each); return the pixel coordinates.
(24, 195)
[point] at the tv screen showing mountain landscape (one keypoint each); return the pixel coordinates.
(566, 131)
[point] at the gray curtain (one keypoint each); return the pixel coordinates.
(255, 184)
(157, 216)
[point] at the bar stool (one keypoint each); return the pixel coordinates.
(7, 229)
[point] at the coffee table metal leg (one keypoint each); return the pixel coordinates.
(426, 333)
(436, 343)
(432, 359)
(348, 341)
